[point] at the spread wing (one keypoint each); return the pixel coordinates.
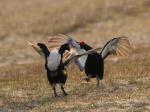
(117, 46)
(75, 57)
(74, 49)
(36, 48)
(60, 39)
(53, 44)
(71, 59)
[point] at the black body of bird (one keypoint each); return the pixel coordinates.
(55, 64)
(94, 65)
(59, 75)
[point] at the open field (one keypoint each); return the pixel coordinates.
(23, 81)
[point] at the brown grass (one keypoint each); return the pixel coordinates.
(23, 81)
(125, 87)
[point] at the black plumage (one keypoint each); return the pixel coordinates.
(59, 75)
(54, 64)
(93, 64)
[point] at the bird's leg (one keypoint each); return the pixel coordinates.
(87, 79)
(97, 81)
(62, 88)
(54, 89)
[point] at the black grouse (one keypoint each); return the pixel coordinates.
(54, 64)
(93, 64)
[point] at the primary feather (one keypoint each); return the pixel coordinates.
(36, 48)
(117, 46)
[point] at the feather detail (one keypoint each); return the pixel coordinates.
(117, 46)
(74, 58)
(36, 48)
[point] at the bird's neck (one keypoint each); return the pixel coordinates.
(61, 51)
(86, 47)
(46, 53)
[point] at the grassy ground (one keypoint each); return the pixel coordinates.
(23, 82)
(125, 88)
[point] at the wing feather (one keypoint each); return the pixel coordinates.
(57, 40)
(37, 49)
(74, 47)
(75, 57)
(117, 46)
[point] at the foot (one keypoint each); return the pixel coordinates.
(87, 79)
(64, 92)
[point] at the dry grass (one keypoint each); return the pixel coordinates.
(23, 82)
(125, 88)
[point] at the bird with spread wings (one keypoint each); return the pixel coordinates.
(54, 64)
(93, 64)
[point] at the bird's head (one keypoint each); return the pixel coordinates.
(82, 43)
(84, 46)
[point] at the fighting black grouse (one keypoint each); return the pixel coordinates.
(54, 64)
(93, 64)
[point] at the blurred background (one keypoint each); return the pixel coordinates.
(23, 81)
(94, 21)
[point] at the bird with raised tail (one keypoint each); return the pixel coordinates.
(93, 64)
(54, 64)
